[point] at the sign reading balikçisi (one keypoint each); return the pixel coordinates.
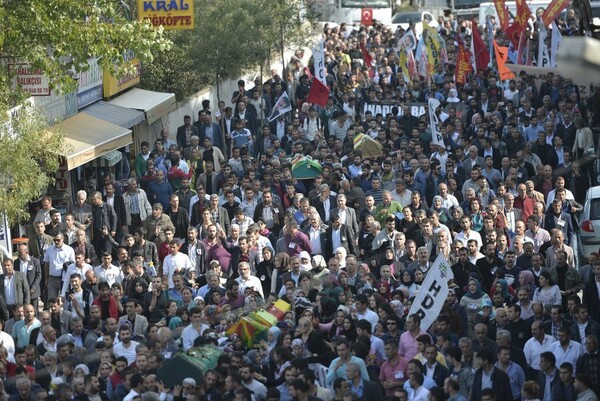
(30, 80)
(170, 14)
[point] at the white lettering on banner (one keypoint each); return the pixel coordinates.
(434, 291)
(416, 109)
(319, 60)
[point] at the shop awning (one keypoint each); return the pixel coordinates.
(153, 104)
(114, 114)
(89, 137)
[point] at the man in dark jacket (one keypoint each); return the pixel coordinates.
(103, 216)
(499, 379)
(337, 235)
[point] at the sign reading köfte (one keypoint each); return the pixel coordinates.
(30, 80)
(170, 14)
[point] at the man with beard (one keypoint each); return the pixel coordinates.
(196, 251)
(178, 215)
(489, 265)
(215, 250)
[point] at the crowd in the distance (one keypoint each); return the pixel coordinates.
(214, 226)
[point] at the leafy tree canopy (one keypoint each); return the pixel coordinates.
(57, 37)
(230, 38)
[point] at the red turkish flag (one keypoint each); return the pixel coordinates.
(318, 93)
(366, 16)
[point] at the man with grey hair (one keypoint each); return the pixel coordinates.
(503, 339)
(137, 206)
(346, 214)
(247, 280)
(325, 202)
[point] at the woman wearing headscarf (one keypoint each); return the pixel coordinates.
(472, 301)
(349, 330)
(407, 281)
(334, 328)
(272, 337)
(265, 269)
(386, 258)
(348, 289)
(502, 287)
(526, 279)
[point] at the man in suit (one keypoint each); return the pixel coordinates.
(137, 322)
(548, 376)
(271, 212)
(40, 241)
(338, 235)
(364, 389)
(137, 206)
(104, 218)
(246, 115)
(209, 179)
(513, 215)
(185, 132)
(316, 232)
(219, 214)
(591, 298)
(206, 128)
(32, 269)
(346, 214)
(440, 372)
(13, 286)
(118, 204)
(324, 203)
(81, 244)
(196, 251)
(499, 379)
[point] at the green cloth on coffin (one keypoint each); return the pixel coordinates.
(305, 168)
(193, 364)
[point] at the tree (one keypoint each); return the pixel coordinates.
(175, 70)
(230, 38)
(26, 162)
(57, 37)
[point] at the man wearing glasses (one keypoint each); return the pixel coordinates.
(54, 259)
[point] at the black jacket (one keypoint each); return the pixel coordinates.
(500, 385)
(346, 241)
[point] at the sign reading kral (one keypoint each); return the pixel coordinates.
(170, 14)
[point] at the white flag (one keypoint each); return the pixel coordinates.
(434, 122)
(408, 41)
(433, 293)
(282, 106)
(319, 63)
(554, 42)
(543, 56)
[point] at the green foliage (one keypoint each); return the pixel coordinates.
(231, 37)
(30, 154)
(58, 36)
(174, 70)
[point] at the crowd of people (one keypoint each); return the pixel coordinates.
(214, 225)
